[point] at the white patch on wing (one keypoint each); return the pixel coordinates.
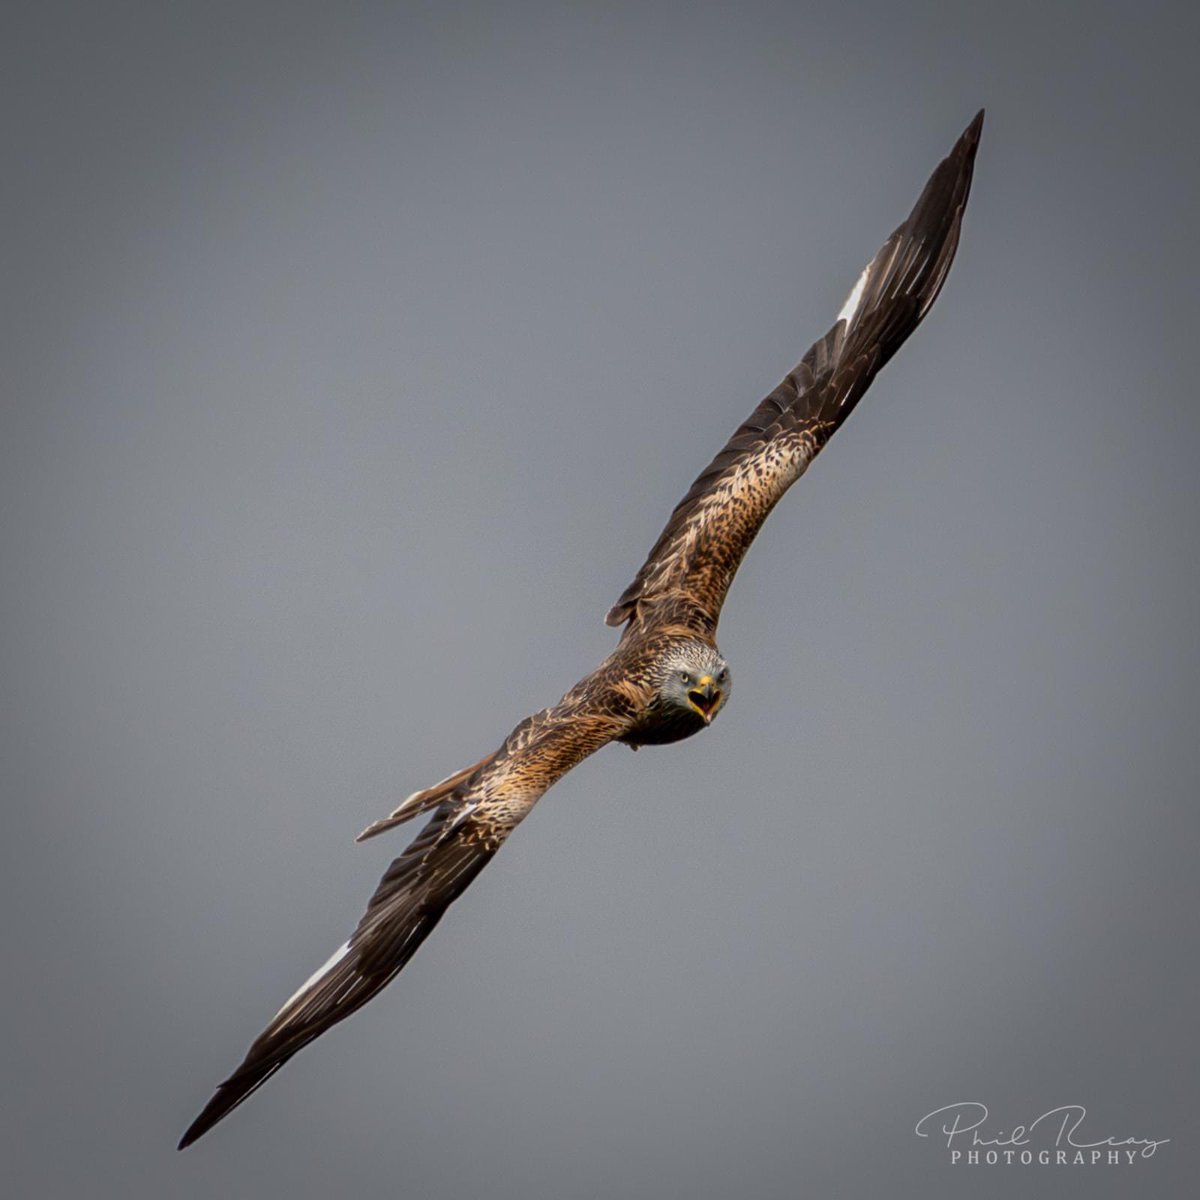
(335, 958)
(852, 301)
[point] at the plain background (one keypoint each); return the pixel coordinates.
(353, 357)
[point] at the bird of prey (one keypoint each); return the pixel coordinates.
(666, 679)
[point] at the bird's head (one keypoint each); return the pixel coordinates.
(695, 679)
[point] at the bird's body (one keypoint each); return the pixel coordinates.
(666, 680)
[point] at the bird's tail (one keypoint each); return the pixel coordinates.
(423, 801)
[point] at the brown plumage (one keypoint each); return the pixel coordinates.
(666, 679)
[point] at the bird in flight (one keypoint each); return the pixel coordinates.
(666, 679)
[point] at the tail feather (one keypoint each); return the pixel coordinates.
(423, 801)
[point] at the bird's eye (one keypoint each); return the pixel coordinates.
(685, 677)
(724, 675)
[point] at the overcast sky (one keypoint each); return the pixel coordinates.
(354, 356)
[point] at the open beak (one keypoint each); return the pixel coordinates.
(705, 698)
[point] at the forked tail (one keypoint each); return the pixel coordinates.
(422, 801)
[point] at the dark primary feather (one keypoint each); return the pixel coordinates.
(691, 566)
(412, 896)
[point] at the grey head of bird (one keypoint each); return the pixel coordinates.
(693, 681)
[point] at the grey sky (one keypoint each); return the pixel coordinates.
(352, 361)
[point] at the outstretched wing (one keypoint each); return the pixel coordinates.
(410, 900)
(467, 828)
(694, 560)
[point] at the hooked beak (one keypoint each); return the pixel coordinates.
(705, 698)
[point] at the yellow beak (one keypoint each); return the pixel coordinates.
(705, 698)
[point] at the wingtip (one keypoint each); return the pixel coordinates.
(213, 1112)
(190, 1135)
(959, 164)
(970, 136)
